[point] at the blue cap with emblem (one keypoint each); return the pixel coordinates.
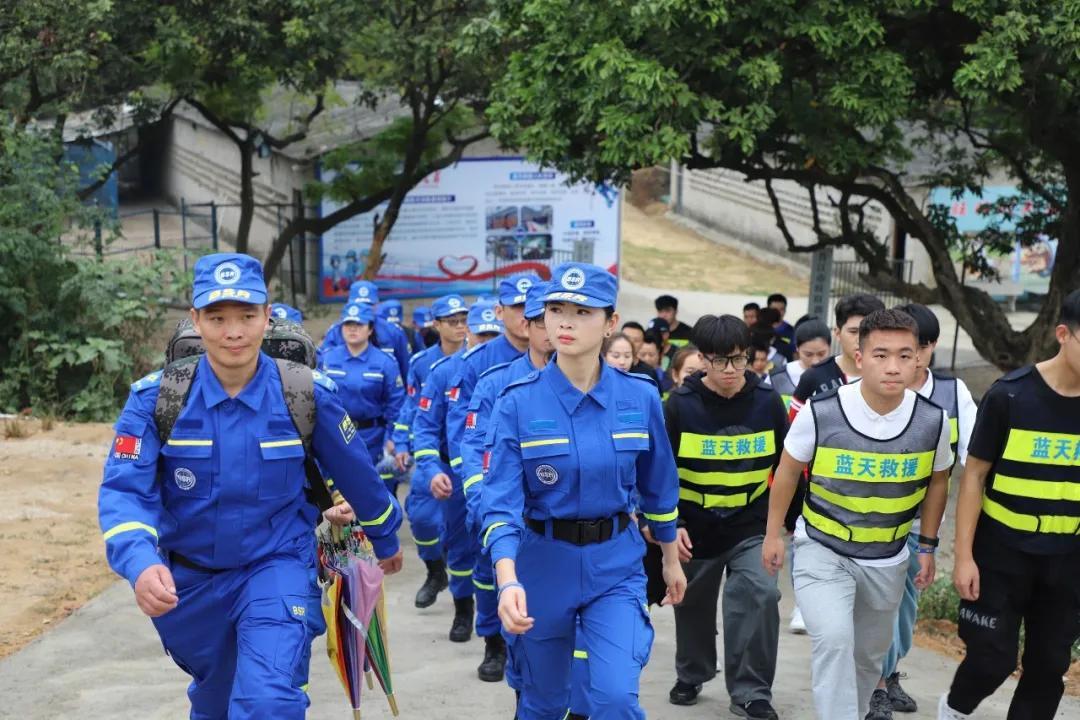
(357, 312)
(390, 311)
(228, 277)
(512, 290)
(534, 300)
(449, 305)
(364, 291)
(286, 312)
(482, 319)
(422, 316)
(582, 284)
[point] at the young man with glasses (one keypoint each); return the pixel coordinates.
(726, 428)
(1018, 534)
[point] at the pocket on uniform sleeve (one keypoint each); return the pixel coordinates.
(282, 468)
(188, 467)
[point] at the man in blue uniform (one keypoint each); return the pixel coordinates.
(211, 525)
(368, 382)
(491, 383)
(423, 511)
(423, 320)
(286, 312)
(388, 337)
(434, 460)
(391, 311)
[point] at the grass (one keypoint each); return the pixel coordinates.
(15, 428)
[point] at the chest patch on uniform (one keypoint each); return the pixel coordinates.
(625, 405)
(631, 418)
(348, 430)
(538, 425)
(185, 479)
(547, 474)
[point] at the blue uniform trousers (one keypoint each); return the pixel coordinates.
(603, 586)
(244, 635)
(462, 546)
(425, 514)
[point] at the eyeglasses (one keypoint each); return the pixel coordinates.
(454, 321)
(737, 362)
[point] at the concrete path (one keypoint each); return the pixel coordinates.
(105, 663)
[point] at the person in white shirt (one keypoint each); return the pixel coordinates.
(953, 396)
(878, 454)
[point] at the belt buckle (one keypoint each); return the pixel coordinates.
(590, 531)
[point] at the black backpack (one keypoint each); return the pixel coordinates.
(294, 354)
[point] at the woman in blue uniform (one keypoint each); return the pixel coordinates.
(572, 445)
(368, 380)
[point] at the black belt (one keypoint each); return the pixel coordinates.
(179, 559)
(581, 532)
(367, 424)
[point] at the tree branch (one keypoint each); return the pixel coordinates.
(214, 120)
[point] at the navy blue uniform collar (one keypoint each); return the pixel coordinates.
(570, 397)
(252, 394)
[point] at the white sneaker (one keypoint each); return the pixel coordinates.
(797, 625)
(944, 712)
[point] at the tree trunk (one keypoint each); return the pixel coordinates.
(386, 224)
(247, 195)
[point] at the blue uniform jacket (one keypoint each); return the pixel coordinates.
(557, 453)
(370, 388)
(419, 369)
(429, 424)
(478, 420)
(389, 338)
(228, 487)
(474, 362)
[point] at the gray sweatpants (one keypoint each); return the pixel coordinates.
(751, 623)
(849, 611)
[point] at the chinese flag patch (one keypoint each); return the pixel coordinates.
(412, 390)
(127, 447)
(470, 421)
(487, 460)
(425, 404)
(454, 394)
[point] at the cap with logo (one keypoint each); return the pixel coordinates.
(534, 300)
(422, 316)
(449, 305)
(286, 312)
(357, 312)
(482, 319)
(228, 277)
(512, 290)
(364, 291)
(390, 311)
(660, 325)
(582, 284)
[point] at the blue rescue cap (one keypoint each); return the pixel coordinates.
(582, 284)
(512, 290)
(286, 312)
(482, 319)
(422, 316)
(449, 305)
(390, 311)
(364, 291)
(534, 300)
(227, 277)
(358, 312)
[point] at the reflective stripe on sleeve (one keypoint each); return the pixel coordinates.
(381, 519)
(128, 527)
(425, 453)
(487, 532)
(663, 517)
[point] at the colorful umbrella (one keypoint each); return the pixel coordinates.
(355, 611)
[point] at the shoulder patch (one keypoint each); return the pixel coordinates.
(493, 368)
(1017, 374)
(321, 379)
(149, 381)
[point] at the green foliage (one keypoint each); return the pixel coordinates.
(72, 329)
(940, 601)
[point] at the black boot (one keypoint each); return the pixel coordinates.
(461, 629)
(491, 670)
(436, 582)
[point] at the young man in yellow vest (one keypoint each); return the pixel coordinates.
(1018, 534)
(878, 453)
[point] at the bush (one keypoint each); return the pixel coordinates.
(940, 601)
(72, 328)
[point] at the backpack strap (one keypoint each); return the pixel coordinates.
(176, 381)
(298, 387)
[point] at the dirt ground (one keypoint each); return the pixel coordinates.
(660, 253)
(52, 559)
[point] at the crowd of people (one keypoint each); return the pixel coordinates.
(568, 470)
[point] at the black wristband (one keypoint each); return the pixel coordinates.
(932, 542)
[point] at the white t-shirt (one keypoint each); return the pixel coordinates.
(795, 371)
(802, 439)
